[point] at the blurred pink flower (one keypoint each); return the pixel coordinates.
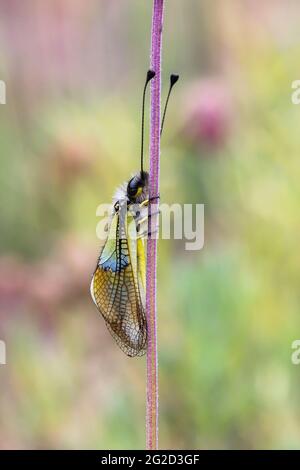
(208, 113)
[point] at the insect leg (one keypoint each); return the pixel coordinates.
(139, 222)
(146, 201)
(153, 198)
(145, 233)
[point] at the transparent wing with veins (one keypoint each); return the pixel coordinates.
(118, 286)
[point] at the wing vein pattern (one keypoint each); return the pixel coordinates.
(115, 289)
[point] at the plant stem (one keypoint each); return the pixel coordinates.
(151, 284)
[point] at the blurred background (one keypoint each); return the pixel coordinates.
(70, 133)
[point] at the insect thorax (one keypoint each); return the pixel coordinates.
(134, 195)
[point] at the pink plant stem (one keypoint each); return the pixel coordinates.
(152, 360)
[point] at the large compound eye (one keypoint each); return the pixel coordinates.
(132, 187)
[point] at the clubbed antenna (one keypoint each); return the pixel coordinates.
(150, 75)
(173, 79)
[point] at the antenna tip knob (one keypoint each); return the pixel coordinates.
(150, 75)
(174, 78)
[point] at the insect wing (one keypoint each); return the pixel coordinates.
(118, 288)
